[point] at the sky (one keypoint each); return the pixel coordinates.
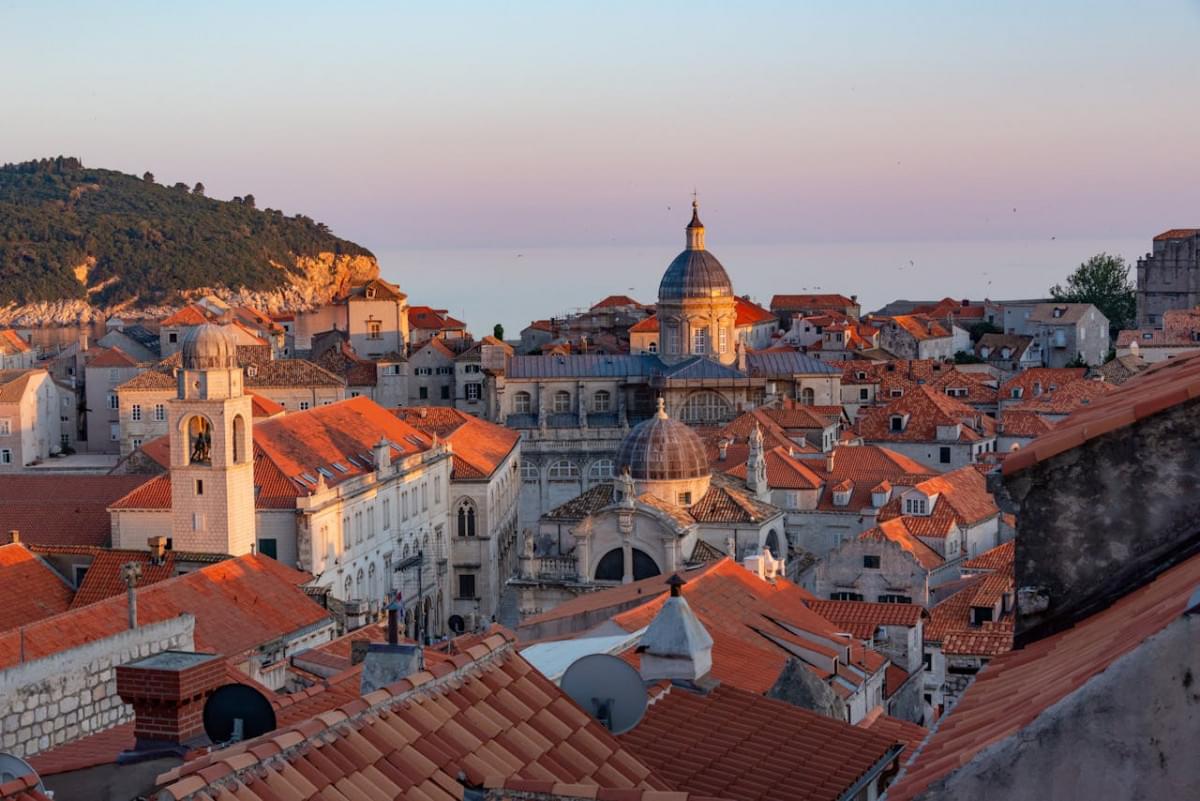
(452, 125)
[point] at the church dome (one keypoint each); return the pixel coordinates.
(662, 449)
(209, 347)
(695, 273)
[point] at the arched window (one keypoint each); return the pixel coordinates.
(601, 470)
(563, 470)
(522, 403)
(807, 396)
(562, 401)
(466, 519)
(349, 590)
(529, 472)
(239, 439)
(772, 543)
(372, 582)
(601, 401)
(706, 407)
(199, 440)
(358, 584)
(612, 566)
(652, 347)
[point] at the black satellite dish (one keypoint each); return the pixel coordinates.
(237, 712)
(457, 624)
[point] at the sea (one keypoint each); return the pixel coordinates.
(513, 286)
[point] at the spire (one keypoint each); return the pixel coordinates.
(675, 646)
(661, 414)
(695, 229)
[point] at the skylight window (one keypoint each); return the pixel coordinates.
(325, 472)
(354, 461)
(341, 468)
(309, 477)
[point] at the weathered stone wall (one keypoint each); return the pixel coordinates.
(51, 701)
(1103, 516)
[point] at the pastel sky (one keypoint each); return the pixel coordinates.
(575, 124)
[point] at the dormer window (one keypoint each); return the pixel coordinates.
(1037, 388)
(251, 371)
(1017, 392)
(860, 375)
(896, 393)
(897, 422)
(918, 505)
(981, 615)
(370, 292)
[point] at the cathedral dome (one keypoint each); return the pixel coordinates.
(695, 273)
(662, 449)
(209, 347)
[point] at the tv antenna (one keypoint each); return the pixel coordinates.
(13, 767)
(608, 688)
(237, 712)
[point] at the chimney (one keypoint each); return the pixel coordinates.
(386, 663)
(14, 536)
(158, 549)
(722, 450)
(167, 692)
(383, 454)
(676, 645)
(829, 461)
(130, 573)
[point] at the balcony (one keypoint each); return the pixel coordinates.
(556, 567)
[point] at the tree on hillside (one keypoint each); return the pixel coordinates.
(498, 331)
(148, 177)
(248, 200)
(198, 189)
(1103, 281)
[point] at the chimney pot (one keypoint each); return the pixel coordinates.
(14, 536)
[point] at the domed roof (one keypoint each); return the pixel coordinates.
(662, 449)
(695, 273)
(209, 347)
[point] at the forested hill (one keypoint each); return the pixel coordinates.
(65, 228)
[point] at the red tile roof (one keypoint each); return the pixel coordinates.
(1159, 388)
(189, 315)
(950, 621)
(1016, 687)
(479, 447)
(485, 716)
(110, 357)
(909, 734)
(217, 595)
(1177, 233)
(264, 407)
(920, 327)
(862, 618)
(897, 531)
(103, 578)
(29, 588)
(740, 745)
(647, 326)
(1022, 423)
(749, 313)
(430, 319)
(925, 409)
(22, 788)
(616, 300)
(1043, 379)
(1065, 399)
(997, 559)
(77, 515)
(962, 499)
(786, 302)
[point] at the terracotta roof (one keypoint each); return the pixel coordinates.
(101, 748)
(1022, 423)
(103, 578)
(1065, 399)
(1017, 687)
(896, 530)
(726, 502)
(616, 300)
(920, 327)
(786, 302)
(22, 788)
(997, 559)
(749, 313)
(11, 342)
(863, 618)
(187, 316)
(344, 362)
(14, 383)
(647, 326)
(110, 357)
(29, 588)
(218, 596)
(384, 290)
(961, 493)
(1067, 313)
(485, 716)
(783, 470)
(909, 734)
(1177, 233)
(589, 502)
(1159, 388)
(430, 319)
(479, 447)
(77, 515)
(950, 621)
(1041, 379)
(263, 371)
(925, 409)
(740, 745)
(263, 407)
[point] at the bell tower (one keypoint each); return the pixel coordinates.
(212, 458)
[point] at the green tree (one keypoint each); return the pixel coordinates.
(977, 330)
(1103, 281)
(198, 189)
(248, 200)
(966, 357)
(498, 331)
(148, 177)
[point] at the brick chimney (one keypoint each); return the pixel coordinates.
(167, 692)
(158, 549)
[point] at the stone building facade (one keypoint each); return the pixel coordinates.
(1169, 276)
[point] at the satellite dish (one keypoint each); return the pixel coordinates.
(457, 624)
(610, 689)
(13, 767)
(237, 712)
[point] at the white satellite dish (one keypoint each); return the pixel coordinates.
(13, 767)
(610, 689)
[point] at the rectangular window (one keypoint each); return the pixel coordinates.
(944, 455)
(197, 521)
(303, 405)
(404, 505)
(845, 596)
(445, 392)
(5, 456)
(136, 442)
(5, 427)
(927, 661)
(466, 586)
(112, 401)
(723, 339)
(268, 547)
(172, 337)
(864, 394)
(114, 432)
(387, 513)
(135, 412)
(437, 489)
(700, 340)
(894, 599)
(683, 498)
(871, 561)
(374, 329)
(370, 522)
(160, 412)
(358, 527)
(199, 486)
(346, 533)
(423, 393)
(424, 497)
(474, 392)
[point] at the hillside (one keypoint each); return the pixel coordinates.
(98, 238)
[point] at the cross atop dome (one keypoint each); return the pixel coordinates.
(695, 229)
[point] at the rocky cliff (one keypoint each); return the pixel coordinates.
(307, 282)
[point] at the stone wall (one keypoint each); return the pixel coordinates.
(60, 698)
